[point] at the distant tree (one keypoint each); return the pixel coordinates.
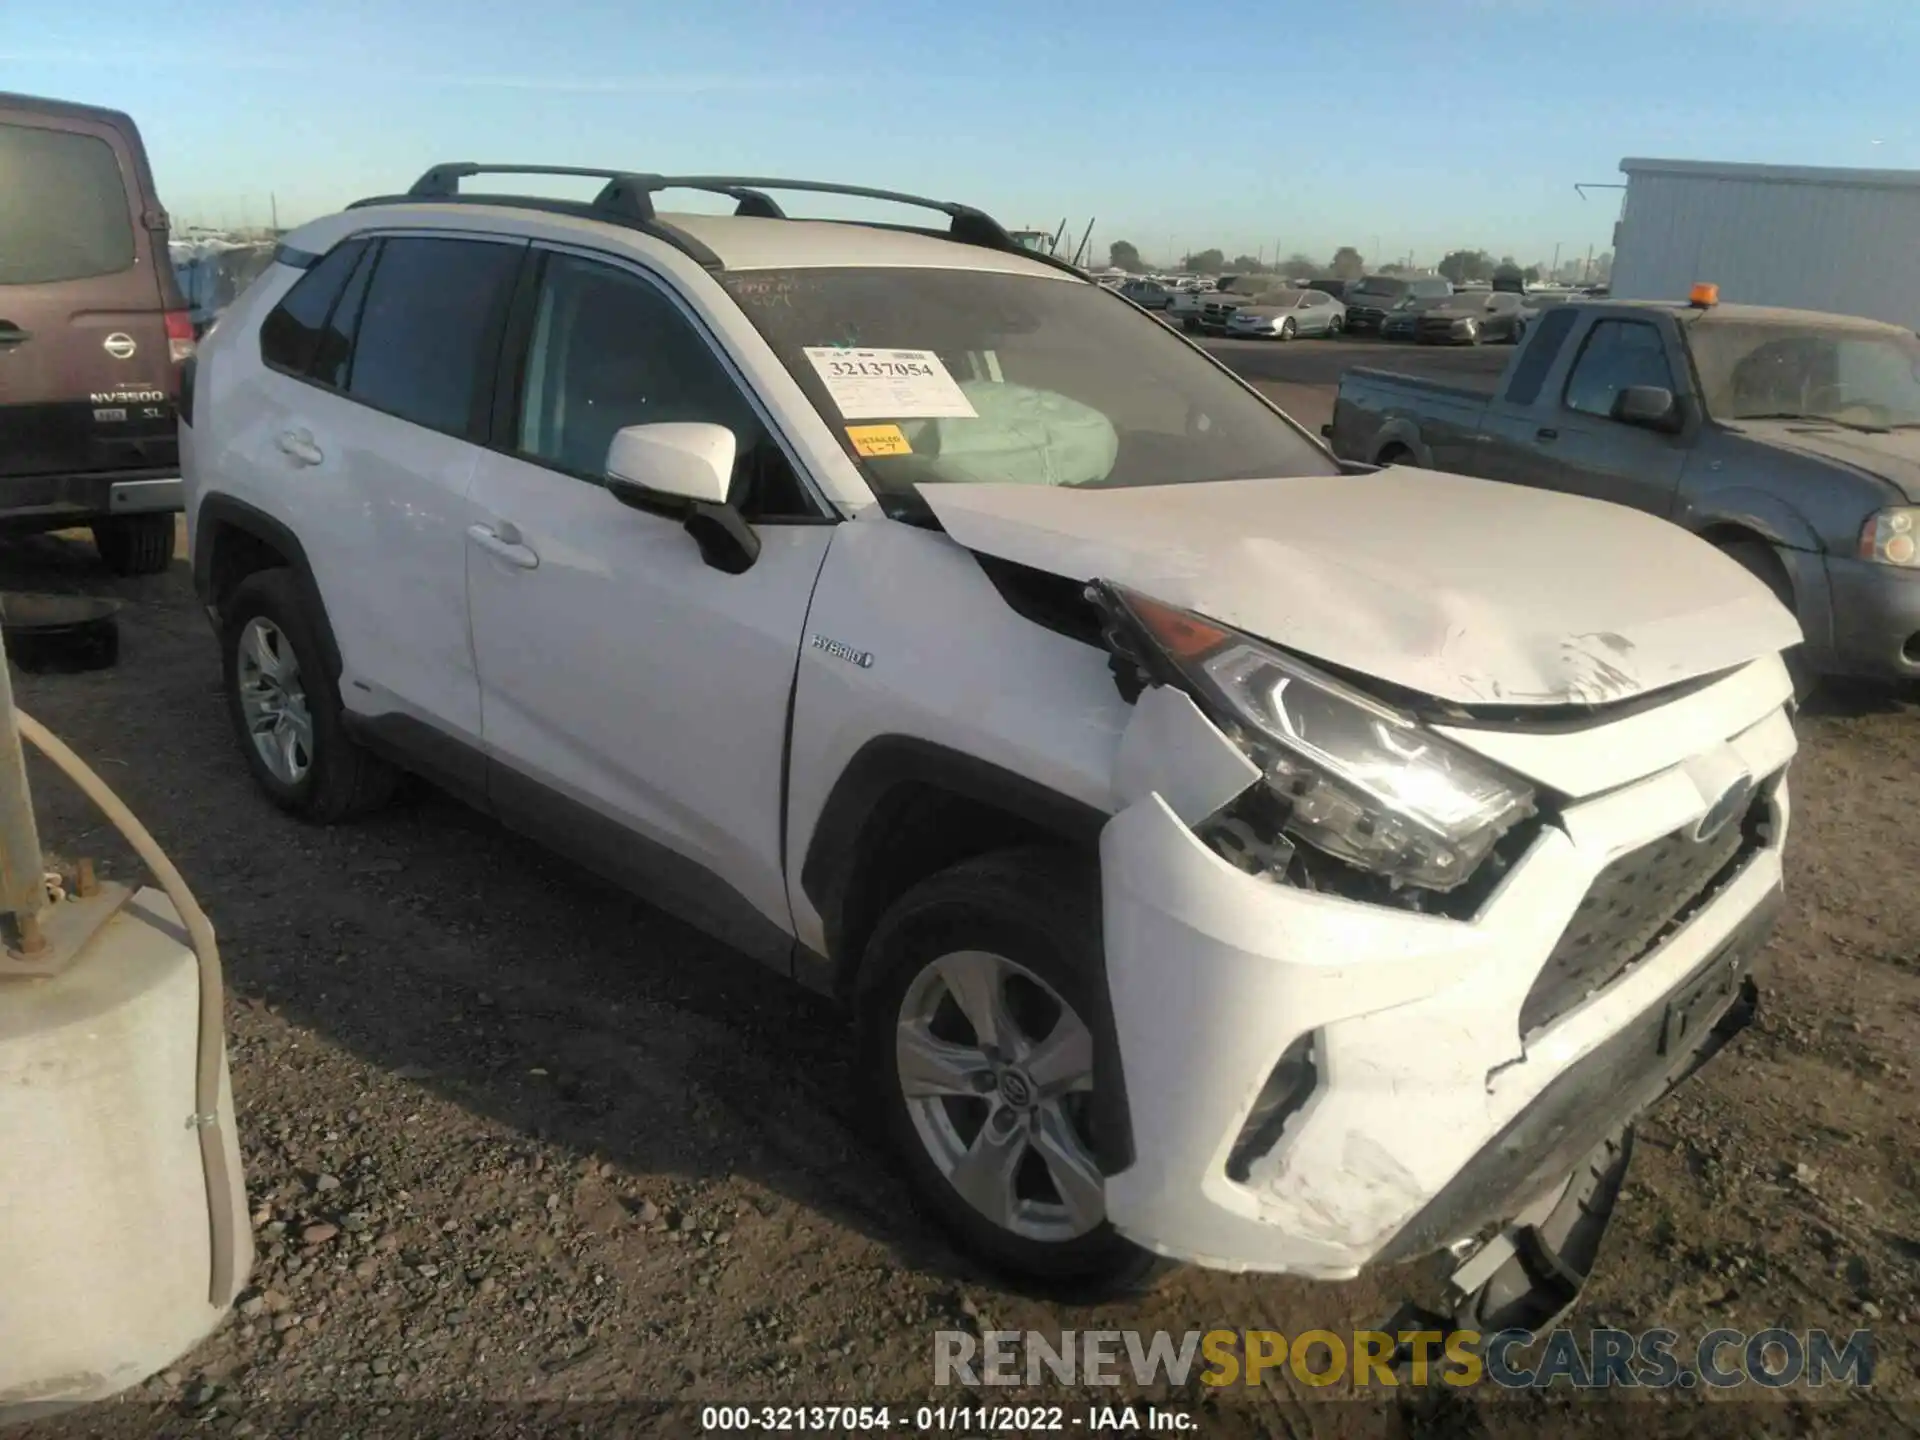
(1508, 276)
(1300, 267)
(1460, 266)
(1348, 264)
(1248, 265)
(1205, 262)
(1122, 255)
(1394, 267)
(1531, 274)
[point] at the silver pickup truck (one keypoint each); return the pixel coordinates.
(1790, 439)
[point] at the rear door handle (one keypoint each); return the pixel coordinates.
(298, 446)
(1546, 432)
(11, 334)
(505, 543)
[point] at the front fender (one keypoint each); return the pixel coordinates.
(1750, 508)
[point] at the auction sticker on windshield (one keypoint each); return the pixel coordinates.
(889, 384)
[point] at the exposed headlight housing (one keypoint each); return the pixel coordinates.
(1357, 779)
(1892, 537)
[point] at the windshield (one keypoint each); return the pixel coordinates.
(1380, 285)
(1010, 378)
(1849, 375)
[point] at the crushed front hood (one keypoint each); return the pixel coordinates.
(1467, 590)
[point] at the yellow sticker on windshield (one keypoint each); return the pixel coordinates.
(878, 440)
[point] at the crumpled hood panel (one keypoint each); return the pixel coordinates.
(1463, 589)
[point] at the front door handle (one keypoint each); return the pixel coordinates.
(515, 552)
(1546, 432)
(298, 446)
(12, 334)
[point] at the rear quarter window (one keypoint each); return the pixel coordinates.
(64, 211)
(1536, 358)
(291, 332)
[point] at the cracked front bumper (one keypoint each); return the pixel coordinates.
(1431, 1115)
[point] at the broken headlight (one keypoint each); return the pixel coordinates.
(1357, 779)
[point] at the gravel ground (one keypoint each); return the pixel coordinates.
(513, 1136)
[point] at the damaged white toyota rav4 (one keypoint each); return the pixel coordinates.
(1228, 856)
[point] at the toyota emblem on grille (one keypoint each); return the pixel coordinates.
(119, 345)
(1724, 811)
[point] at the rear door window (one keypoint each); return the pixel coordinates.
(1618, 353)
(291, 331)
(64, 212)
(429, 333)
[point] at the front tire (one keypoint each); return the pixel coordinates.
(981, 1032)
(286, 710)
(1288, 329)
(135, 544)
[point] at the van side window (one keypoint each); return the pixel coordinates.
(1542, 348)
(290, 334)
(428, 336)
(609, 350)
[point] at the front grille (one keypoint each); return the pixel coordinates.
(1598, 1094)
(1365, 315)
(1633, 904)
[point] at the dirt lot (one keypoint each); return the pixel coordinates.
(511, 1136)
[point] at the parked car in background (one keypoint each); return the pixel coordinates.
(1789, 439)
(93, 334)
(1232, 291)
(1147, 294)
(1184, 306)
(1330, 285)
(1288, 314)
(1371, 300)
(1470, 317)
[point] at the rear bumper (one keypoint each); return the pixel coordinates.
(50, 502)
(1876, 619)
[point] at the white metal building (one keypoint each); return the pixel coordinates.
(1815, 239)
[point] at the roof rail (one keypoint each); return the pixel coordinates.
(627, 198)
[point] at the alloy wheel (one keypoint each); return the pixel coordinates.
(997, 1072)
(273, 701)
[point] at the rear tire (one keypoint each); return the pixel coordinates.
(1288, 329)
(135, 544)
(1021, 927)
(1764, 564)
(273, 666)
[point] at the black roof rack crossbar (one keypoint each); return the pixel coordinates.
(580, 209)
(627, 198)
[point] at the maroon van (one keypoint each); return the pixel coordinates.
(93, 334)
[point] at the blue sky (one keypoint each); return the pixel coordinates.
(1392, 125)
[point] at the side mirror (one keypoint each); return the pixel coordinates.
(684, 470)
(669, 466)
(1651, 407)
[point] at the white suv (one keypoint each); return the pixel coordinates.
(1227, 855)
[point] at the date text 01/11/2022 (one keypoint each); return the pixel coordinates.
(945, 1419)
